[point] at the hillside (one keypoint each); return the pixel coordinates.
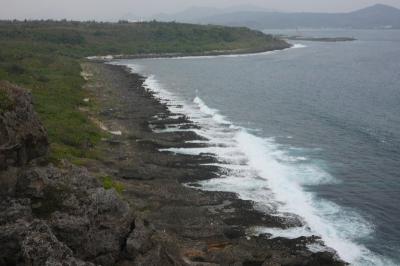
(86, 38)
(377, 16)
(45, 57)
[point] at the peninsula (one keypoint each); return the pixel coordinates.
(82, 180)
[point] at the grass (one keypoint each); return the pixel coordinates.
(45, 57)
(109, 183)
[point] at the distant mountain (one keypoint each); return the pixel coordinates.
(190, 14)
(198, 13)
(377, 16)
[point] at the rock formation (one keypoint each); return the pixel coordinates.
(22, 135)
(53, 215)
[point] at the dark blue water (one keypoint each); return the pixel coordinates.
(336, 104)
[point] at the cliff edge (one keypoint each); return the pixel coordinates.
(54, 215)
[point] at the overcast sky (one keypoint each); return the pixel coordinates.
(115, 9)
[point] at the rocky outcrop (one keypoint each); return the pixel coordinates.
(41, 247)
(63, 215)
(22, 135)
(55, 215)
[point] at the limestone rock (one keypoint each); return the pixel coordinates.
(22, 135)
(139, 241)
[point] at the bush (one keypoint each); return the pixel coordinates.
(109, 183)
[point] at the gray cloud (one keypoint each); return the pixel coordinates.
(115, 9)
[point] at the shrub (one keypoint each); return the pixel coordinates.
(109, 183)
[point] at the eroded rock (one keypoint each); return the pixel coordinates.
(22, 135)
(51, 215)
(139, 241)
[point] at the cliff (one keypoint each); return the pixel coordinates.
(54, 215)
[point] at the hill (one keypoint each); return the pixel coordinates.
(196, 13)
(377, 16)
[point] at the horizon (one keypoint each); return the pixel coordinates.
(84, 11)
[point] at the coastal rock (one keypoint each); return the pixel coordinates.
(92, 221)
(41, 247)
(8, 181)
(22, 135)
(32, 182)
(11, 235)
(139, 241)
(51, 215)
(159, 255)
(11, 210)
(73, 217)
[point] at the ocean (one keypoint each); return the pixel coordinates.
(311, 131)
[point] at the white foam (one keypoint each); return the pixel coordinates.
(259, 171)
(285, 181)
(298, 45)
(209, 111)
(227, 55)
(135, 68)
(219, 56)
(290, 233)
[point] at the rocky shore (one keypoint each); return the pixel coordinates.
(62, 215)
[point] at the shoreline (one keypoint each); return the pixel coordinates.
(319, 39)
(210, 225)
(108, 58)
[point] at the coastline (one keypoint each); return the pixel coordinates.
(202, 226)
(107, 58)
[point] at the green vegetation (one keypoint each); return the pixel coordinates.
(109, 183)
(45, 57)
(80, 39)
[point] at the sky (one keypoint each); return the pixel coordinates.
(115, 9)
